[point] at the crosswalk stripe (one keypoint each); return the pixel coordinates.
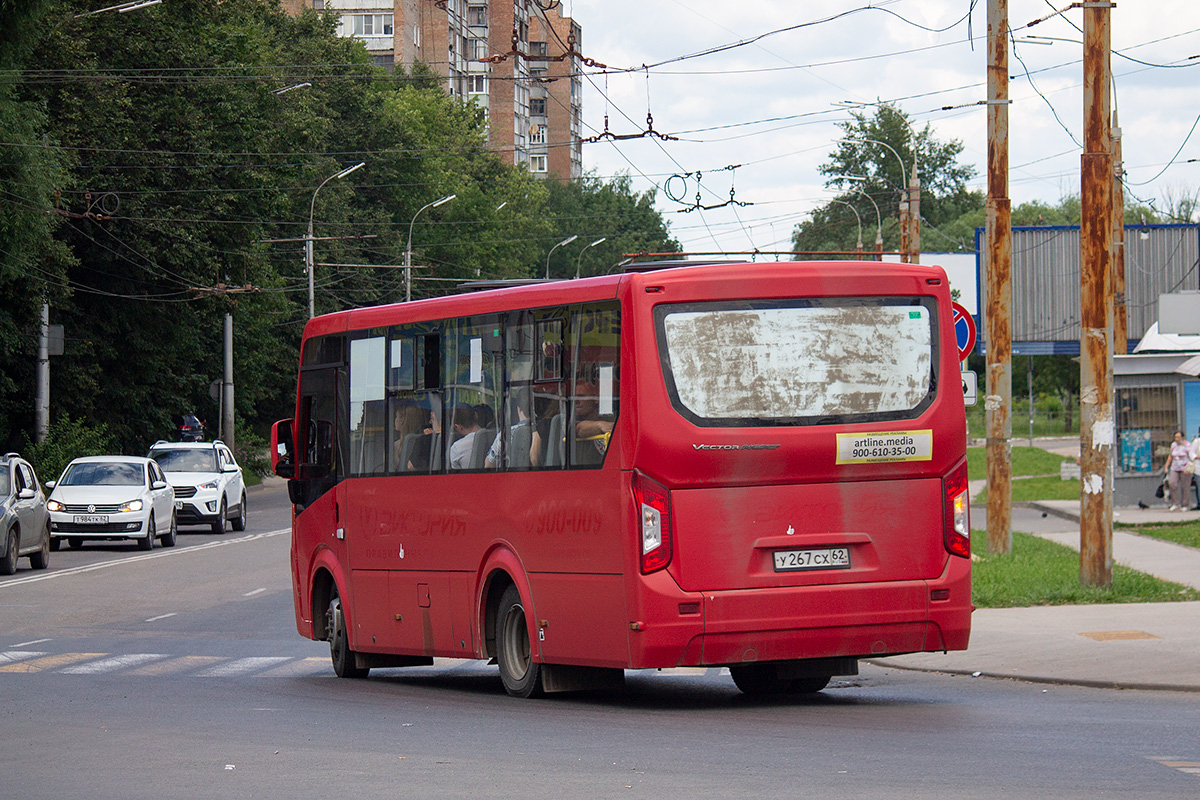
(112, 664)
(174, 665)
(303, 667)
(240, 666)
(13, 656)
(50, 662)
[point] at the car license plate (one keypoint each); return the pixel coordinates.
(91, 519)
(824, 558)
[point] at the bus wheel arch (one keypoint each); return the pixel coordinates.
(323, 589)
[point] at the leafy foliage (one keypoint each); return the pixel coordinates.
(67, 439)
(156, 178)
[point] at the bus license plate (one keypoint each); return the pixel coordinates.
(825, 558)
(91, 519)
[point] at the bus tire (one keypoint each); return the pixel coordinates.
(759, 680)
(521, 675)
(345, 661)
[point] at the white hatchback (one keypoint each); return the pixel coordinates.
(209, 489)
(112, 497)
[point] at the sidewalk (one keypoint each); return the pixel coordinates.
(1127, 646)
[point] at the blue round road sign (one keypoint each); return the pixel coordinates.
(964, 331)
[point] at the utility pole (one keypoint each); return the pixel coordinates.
(997, 315)
(914, 211)
(1120, 321)
(1097, 432)
(227, 387)
(42, 424)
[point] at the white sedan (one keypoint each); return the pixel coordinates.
(112, 497)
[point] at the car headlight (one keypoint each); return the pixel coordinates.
(54, 505)
(132, 505)
(210, 486)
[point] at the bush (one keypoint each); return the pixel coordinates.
(251, 451)
(67, 439)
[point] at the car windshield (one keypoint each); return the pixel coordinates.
(118, 473)
(3, 480)
(185, 460)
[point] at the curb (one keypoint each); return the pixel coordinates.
(1087, 684)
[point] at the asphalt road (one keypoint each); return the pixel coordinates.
(179, 674)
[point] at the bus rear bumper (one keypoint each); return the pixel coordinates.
(790, 623)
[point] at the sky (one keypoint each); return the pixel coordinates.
(771, 107)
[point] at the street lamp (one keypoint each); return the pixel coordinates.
(910, 209)
(408, 248)
(856, 216)
(878, 217)
(308, 240)
(579, 260)
(568, 240)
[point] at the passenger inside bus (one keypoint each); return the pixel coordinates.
(592, 430)
(466, 425)
(424, 451)
(519, 435)
(407, 420)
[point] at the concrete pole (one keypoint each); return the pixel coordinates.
(42, 424)
(914, 212)
(1097, 432)
(227, 386)
(997, 314)
(1120, 312)
(904, 232)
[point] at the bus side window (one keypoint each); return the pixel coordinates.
(595, 344)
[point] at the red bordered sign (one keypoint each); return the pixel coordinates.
(964, 331)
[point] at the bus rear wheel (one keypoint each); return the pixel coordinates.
(521, 675)
(760, 680)
(345, 664)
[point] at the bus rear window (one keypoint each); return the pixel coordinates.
(799, 362)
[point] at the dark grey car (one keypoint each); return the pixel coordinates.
(25, 524)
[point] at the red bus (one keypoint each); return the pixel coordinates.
(753, 466)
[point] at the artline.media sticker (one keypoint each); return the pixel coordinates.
(877, 448)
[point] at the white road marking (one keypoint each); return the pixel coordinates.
(113, 663)
(241, 666)
(13, 656)
(136, 559)
(35, 641)
(256, 591)
(161, 616)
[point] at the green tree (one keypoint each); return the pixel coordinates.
(875, 157)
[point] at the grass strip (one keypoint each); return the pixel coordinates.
(1025, 461)
(1039, 572)
(1187, 533)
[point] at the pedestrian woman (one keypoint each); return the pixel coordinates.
(1179, 480)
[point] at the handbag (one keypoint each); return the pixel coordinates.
(1161, 491)
(1190, 469)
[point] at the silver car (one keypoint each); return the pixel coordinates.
(25, 523)
(112, 497)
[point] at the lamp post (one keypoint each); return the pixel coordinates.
(308, 240)
(878, 217)
(910, 208)
(567, 240)
(408, 248)
(856, 216)
(579, 260)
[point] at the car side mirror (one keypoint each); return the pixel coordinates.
(158, 485)
(229, 468)
(51, 484)
(26, 494)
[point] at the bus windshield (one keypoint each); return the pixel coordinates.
(776, 363)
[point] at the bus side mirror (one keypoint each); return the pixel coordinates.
(283, 449)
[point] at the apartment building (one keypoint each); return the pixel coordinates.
(533, 100)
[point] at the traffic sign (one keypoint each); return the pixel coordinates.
(970, 383)
(964, 331)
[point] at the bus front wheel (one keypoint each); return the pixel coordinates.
(345, 664)
(521, 675)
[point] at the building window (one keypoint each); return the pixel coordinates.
(479, 49)
(477, 16)
(365, 25)
(477, 84)
(537, 134)
(318, 5)
(537, 106)
(537, 49)
(538, 164)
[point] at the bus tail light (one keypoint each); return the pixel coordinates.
(956, 533)
(654, 522)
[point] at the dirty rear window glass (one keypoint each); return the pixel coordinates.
(799, 362)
